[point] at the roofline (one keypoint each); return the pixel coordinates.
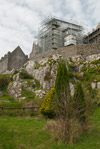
(54, 18)
(92, 32)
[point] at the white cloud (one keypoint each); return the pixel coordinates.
(20, 19)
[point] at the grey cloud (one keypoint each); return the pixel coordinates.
(20, 19)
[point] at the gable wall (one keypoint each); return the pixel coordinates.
(17, 60)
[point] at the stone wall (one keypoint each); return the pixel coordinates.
(66, 52)
(84, 50)
(3, 65)
(14, 60)
(88, 49)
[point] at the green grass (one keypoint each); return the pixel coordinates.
(11, 102)
(30, 133)
(4, 75)
(8, 101)
(28, 94)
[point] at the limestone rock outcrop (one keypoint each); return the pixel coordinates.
(92, 58)
(15, 89)
(44, 71)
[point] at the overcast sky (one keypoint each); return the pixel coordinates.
(20, 19)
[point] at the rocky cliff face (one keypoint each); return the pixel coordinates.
(86, 70)
(45, 70)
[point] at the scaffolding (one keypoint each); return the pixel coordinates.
(94, 36)
(53, 32)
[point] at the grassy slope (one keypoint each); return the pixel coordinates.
(4, 75)
(30, 133)
(8, 101)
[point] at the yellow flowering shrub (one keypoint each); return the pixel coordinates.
(47, 107)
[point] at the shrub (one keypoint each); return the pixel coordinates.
(24, 75)
(4, 82)
(47, 107)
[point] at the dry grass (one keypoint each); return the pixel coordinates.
(68, 131)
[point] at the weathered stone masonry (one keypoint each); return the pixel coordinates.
(84, 50)
(14, 60)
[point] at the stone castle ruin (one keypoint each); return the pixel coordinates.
(55, 36)
(13, 60)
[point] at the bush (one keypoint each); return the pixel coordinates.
(24, 75)
(47, 108)
(4, 82)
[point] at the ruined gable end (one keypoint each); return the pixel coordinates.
(14, 60)
(18, 52)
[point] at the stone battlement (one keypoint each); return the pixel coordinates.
(5, 57)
